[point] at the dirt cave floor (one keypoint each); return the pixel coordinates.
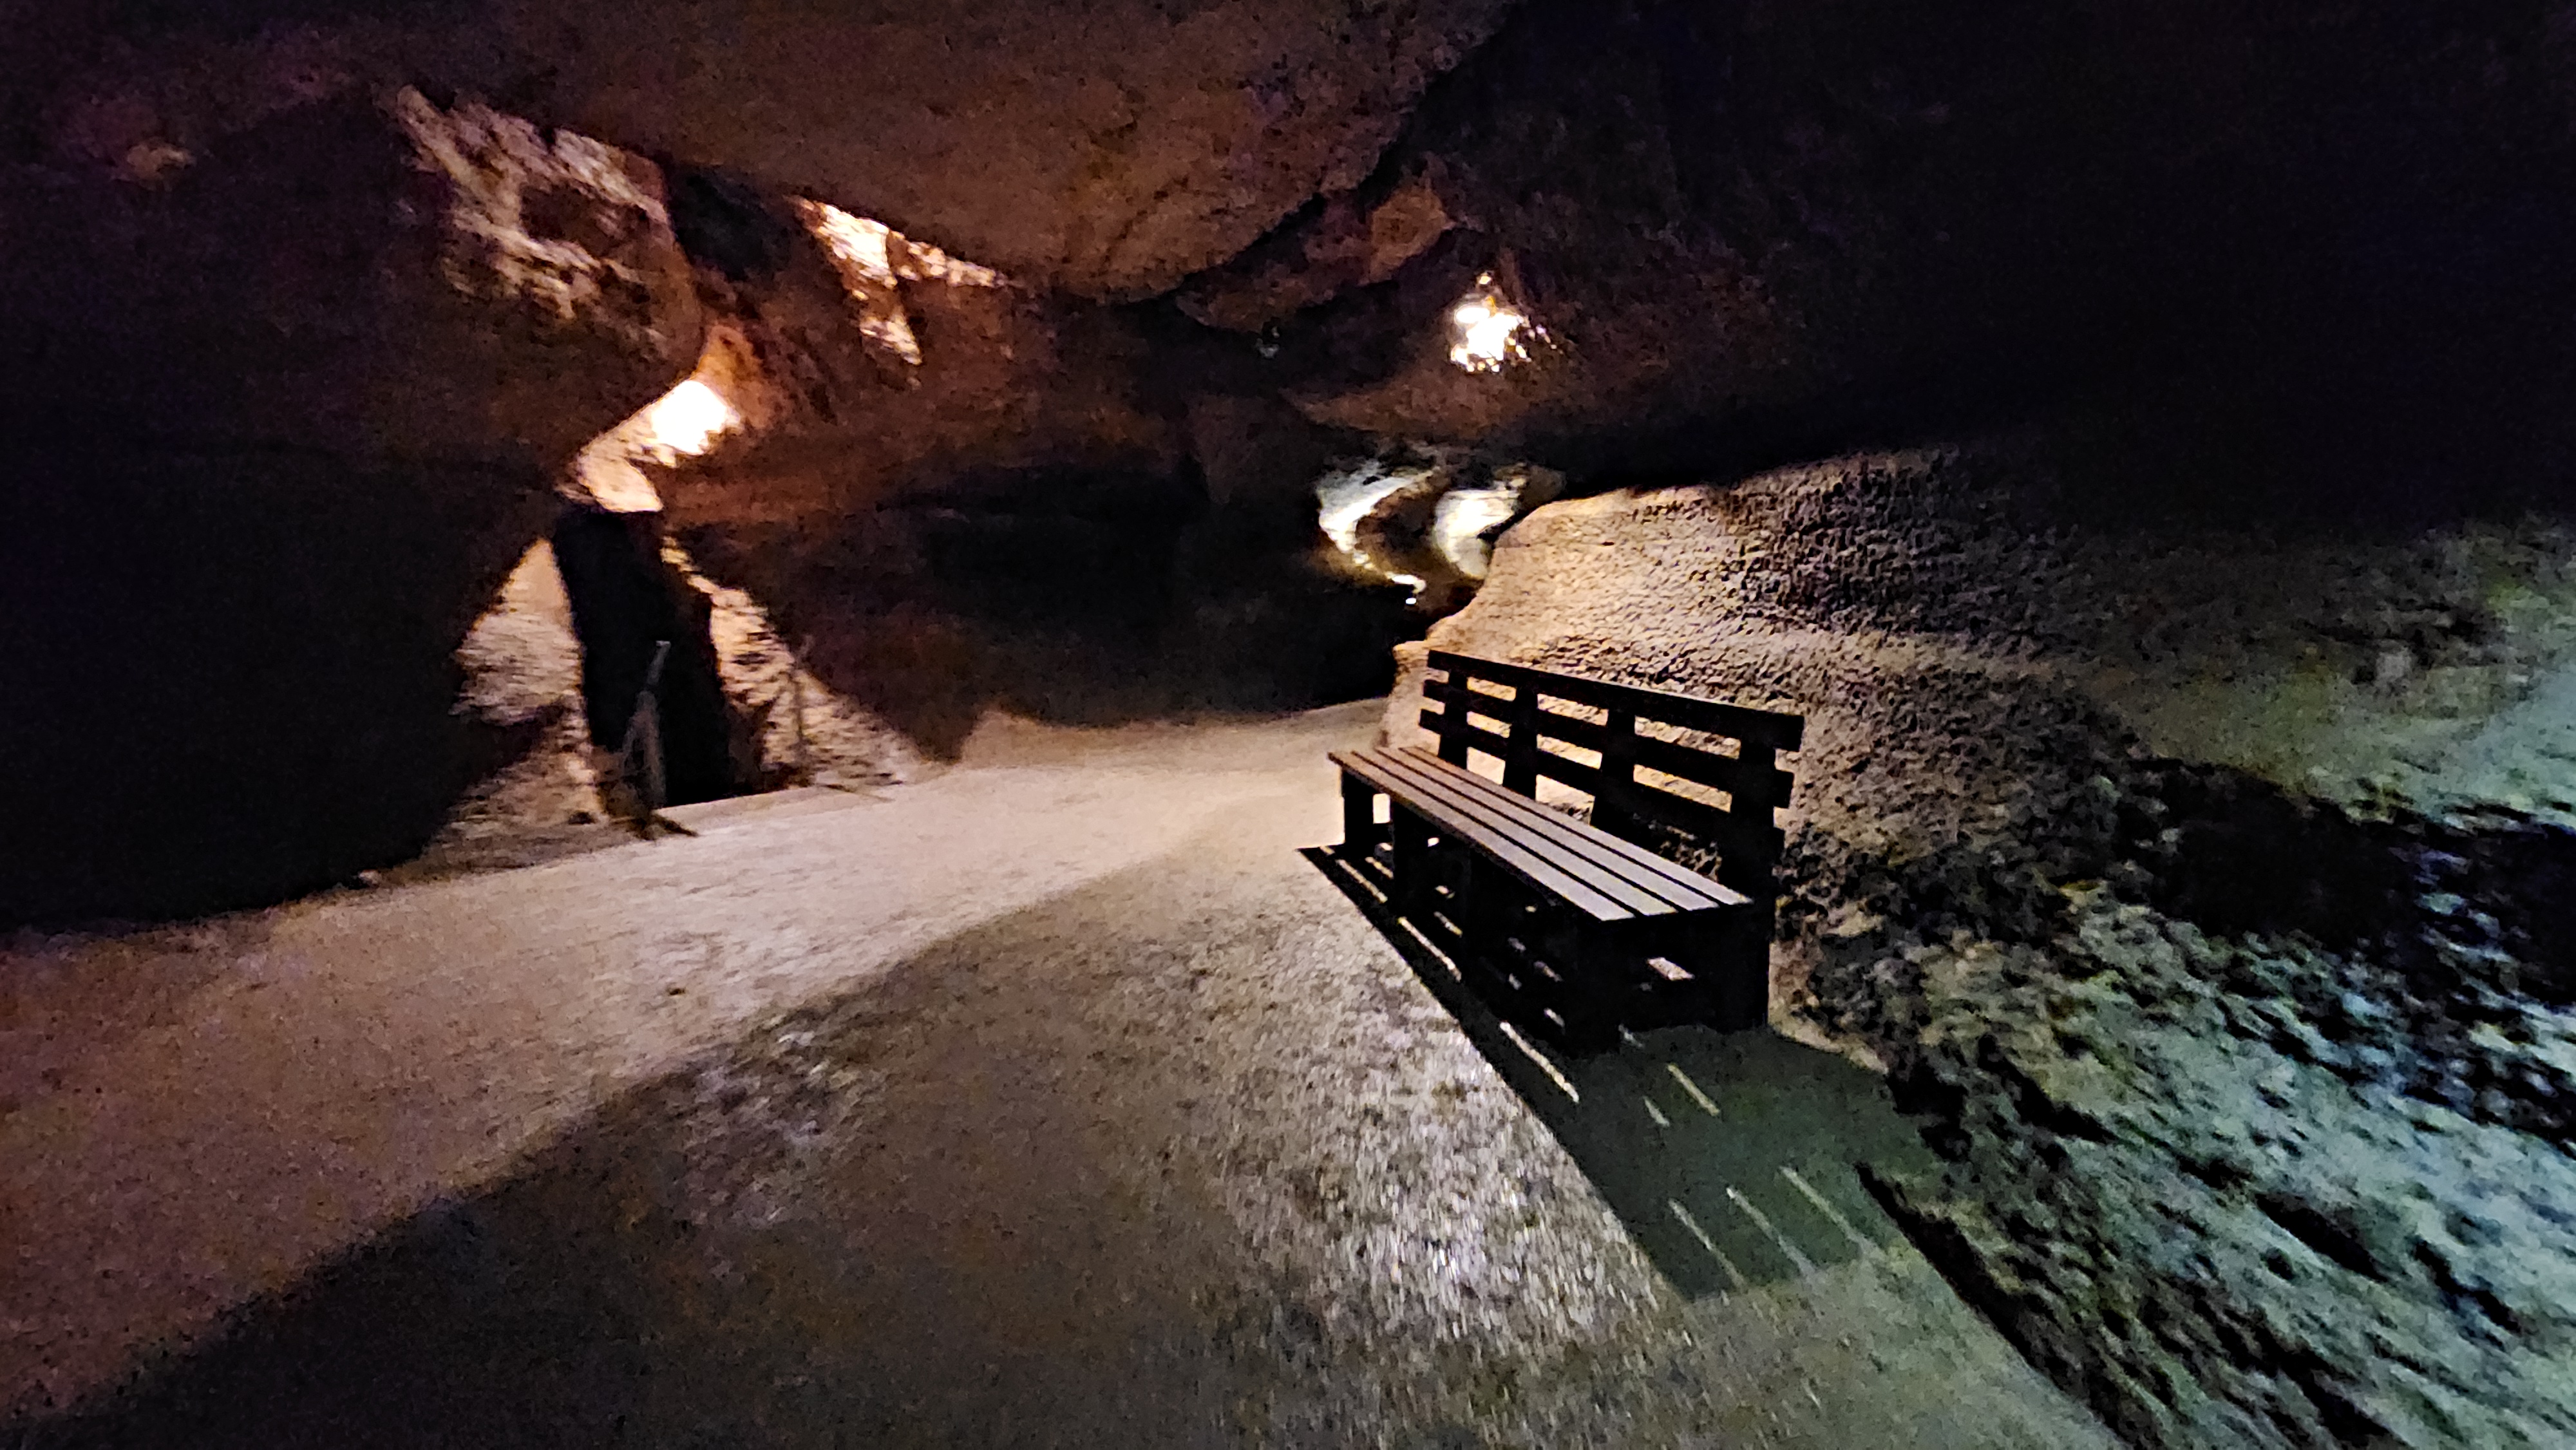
(1056, 1101)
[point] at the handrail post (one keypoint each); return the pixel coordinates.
(796, 701)
(644, 736)
(1520, 767)
(1453, 714)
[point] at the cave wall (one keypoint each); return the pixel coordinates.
(1902, 596)
(522, 664)
(2184, 873)
(967, 493)
(1757, 233)
(283, 417)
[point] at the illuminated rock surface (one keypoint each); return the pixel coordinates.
(2185, 818)
(2152, 856)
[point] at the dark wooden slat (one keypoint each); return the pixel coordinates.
(1757, 784)
(1520, 764)
(1752, 782)
(1587, 734)
(1476, 737)
(1747, 830)
(1760, 785)
(1667, 873)
(1529, 861)
(1492, 707)
(1607, 866)
(1762, 727)
(1668, 880)
(1572, 772)
(1521, 860)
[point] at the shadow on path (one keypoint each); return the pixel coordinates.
(894, 1218)
(1730, 1158)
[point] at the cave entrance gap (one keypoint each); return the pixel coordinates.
(626, 600)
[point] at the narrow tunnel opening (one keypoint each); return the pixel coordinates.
(626, 601)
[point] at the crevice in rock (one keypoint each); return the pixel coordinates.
(626, 600)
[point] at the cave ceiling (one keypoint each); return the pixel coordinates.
(1103, 147)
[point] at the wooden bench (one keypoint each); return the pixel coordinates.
(1589, 925)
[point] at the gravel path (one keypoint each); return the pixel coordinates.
(1054, 1101)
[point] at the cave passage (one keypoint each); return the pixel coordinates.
(625, 601)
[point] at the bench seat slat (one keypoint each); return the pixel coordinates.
(1640, 882)
(1503, 834)
(1522, 861)
(1671, 886)
(1670, 880)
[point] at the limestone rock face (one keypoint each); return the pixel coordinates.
(1103, 148)
(522, 666)
(1108, 148)
(351, 277)
(2175, 869)
(791, 727)
(287, 412)
(857, 389)
(968, 494)
(1903, 600)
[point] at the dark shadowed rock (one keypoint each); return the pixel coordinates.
(1108, 147)
(286, 416)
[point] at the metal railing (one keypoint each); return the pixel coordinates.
(639, 755)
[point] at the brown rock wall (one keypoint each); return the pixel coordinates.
(2167, 865)
(286, 415)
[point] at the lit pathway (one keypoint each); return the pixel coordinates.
(1110, 1122)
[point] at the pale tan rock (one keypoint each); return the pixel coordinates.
(522, 667)
(791, 728)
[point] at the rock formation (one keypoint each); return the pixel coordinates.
(1104, 149)
(522, 665)
(2186, 812)
(2159, 858)
(286, 415)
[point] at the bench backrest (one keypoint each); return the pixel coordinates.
(1629, 797)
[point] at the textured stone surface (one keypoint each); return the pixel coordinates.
(1109, 147)
(286, 417)
(351, 278)
(2249, 1073)
(522, 665)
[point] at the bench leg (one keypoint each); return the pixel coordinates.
(1412, 841)
(1731, 956)
(1359, 816)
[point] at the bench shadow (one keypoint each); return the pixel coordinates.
(1731, 1158)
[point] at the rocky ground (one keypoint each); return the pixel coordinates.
(2240, 1187)
(2194, 880)
(785, 1134)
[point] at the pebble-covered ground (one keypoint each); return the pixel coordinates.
(1056, 1101)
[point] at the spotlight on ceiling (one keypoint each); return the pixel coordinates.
(1486, 332)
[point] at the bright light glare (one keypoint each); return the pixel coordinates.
(688, 421)
(1485, 331)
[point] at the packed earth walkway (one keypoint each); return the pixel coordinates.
(1056, 1100)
